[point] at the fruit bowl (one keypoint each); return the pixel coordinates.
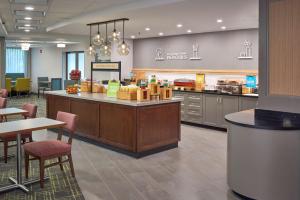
(72, 90)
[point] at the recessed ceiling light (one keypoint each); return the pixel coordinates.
(189, 31)
(147, 29)
(132, 37)
(27, 30)
(27, 25)
(161, 34)
(223, 27)
(179, 25)
(29, 8)
(61, 45)
(219, 20)
(27, 18)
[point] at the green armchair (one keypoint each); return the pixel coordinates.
(8, 85)
(22, 85)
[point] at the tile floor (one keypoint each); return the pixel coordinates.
(194, 171)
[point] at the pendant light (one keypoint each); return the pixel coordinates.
(115, 35)
(98, 40)
(106, 48)
(123, 47)
(91, 48)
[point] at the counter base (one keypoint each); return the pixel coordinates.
(119, 150)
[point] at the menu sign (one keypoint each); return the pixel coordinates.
(113, 88)
(106, 66)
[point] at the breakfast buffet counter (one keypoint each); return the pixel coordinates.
(131, 127)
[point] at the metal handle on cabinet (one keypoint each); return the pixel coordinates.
(221, 99)
(218, 100)
(195, 106)
(195, 98)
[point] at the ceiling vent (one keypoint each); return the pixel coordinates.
(30, 13)
(39, 2)
(23, 21)
(26, 27)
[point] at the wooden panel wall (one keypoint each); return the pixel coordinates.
(118, 126)
(157, 126)
(89, 112)
(55, 104)
(284, 47)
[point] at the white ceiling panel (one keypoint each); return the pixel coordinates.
(71, 16)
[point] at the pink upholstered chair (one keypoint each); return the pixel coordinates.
(4, 93)
(9, 137)
(3, 102)
(46, 150)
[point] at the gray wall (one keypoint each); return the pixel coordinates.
(219, 50)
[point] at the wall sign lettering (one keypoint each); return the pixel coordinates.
(161, 56)
(246, 53)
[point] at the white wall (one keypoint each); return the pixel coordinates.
(51, 62)
(46, 63)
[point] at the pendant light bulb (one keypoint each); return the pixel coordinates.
(98, 40)
(115, 36)
(123, 47)
(105, 49)
(91, 48)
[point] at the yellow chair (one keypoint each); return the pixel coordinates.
(8, 85)
(22, 85)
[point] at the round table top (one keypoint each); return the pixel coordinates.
(265, 119)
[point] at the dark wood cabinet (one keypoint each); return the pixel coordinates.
(118, 125)
(89, 113)
(55, 104)
(157, 126)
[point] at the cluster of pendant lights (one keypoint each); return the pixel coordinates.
(104, 42)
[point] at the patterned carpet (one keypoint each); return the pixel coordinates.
(60, 186)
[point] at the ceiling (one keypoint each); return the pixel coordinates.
(69, 17)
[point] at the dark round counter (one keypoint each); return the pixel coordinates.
(263, 156)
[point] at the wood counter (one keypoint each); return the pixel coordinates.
(134, 130)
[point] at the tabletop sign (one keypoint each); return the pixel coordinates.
(113, 88)
(108, 66)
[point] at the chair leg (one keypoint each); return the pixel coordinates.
(61, 166)
(71, 165)
(5, 143)
(26, 165)
(42, 172)
(30, 139)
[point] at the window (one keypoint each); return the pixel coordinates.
(16, 60)
(75, 60)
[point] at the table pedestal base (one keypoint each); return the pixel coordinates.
(17, 185)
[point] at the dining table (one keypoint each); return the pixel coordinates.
(18, 127)
(4, 112)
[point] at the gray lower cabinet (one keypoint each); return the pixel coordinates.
(216, 107)
(210, 109)
(247, 103)
(193, 108)
(228, 105)
(181, 96)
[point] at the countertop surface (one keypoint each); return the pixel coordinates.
(103, 98)
(264, 119)
(217, 93)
